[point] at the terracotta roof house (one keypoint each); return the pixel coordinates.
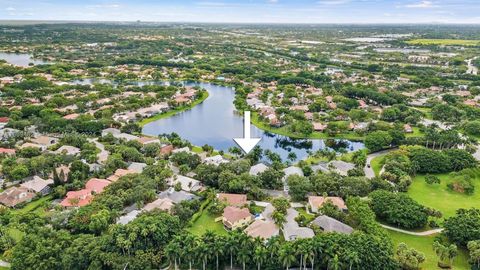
(233, 199)
(263, 229)
(120, 173)
(97, 185)
(319, 126)
(38, 185)
(7, 151)
(316, 202)
(44, 140)
(147, 140)
(234, 217)
(33, 145)
(16, 195)
(77, 198)
(328, 224)
(407, 128)
(72, 116)
(166, 149)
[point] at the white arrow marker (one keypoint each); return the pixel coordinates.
(246, 143)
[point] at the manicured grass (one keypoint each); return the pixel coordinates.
(16, 234)
(416, 133)
(34, 205)
(377, 164)
(424, 244)
(175, 111)
(206, 222)
(456, 42)
(438, 196)
(303, 212)
(315, 135)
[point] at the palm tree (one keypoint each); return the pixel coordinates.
(309, 254)
(273, 245)
(287, 255)
(301, 249)
(171, 251)
(334, 263)
(232, 245)
(260, 255)
(190, 244)
(352, 258)
(218, 248)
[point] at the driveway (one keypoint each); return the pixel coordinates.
(103, 155)
(425, 233)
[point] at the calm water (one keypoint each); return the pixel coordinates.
(20, 59)
(215, 123)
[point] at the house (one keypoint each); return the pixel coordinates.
(33, 145)
(7, 151)
(147, 140)
(97, 185)
(291, 229)
(120, 173)
(238, 200)
(3, 122)
(176, 196)
(264, 229)
(188, 184)
(77, 198)
(72, 116)
(38, 185)
(16, 195)
(67, 150)
(319, 126)
(164, 204)
(63, 172)
(234, 217)
(112, 131)
(341, 167)
(407, 128)
(257, 169)
(6, 133)
(316, 202)
(166, 149)
(44, 141)
(215, 160)
(328, 224)
(136, 167)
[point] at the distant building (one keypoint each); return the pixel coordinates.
(15, 196)
(263, 229)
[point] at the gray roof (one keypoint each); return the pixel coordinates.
(293, 170)
(125, 219)
(292, 231)
(329, 224)
(259, 168)
(176, 196)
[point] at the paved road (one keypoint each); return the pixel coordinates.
(369, 173)
(425, 233)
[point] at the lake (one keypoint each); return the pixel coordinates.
(20, 59)
(214, 122)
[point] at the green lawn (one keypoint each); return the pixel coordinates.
(36, 205)
(303, 212)
(424, 244)
(439, 197)
(416, 133)
(377, 164)
(206, 222)
(457, 42)
(175, 111)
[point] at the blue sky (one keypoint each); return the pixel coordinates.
(252, 11)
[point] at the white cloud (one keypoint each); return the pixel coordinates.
(273, 1)
(10, 9)
(421, 4)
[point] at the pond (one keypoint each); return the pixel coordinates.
(215, 122)
(21, 59)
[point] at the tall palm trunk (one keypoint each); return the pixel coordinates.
(231, 260)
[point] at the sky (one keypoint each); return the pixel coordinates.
(247, 11)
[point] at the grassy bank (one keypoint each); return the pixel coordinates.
(424, 244)
(314, 135)
(174, 111)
